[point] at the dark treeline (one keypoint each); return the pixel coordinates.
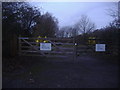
(24, 20)
(109, 35)
(21, 19)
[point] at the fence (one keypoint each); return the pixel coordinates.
(58, 47)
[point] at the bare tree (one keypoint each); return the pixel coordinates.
(60, 33)
(84, 25)
(114, 10)
(115, 13)
(66, 31)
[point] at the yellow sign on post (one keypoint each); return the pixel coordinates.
(41, 40)
(91, 40)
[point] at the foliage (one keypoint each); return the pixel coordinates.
(22, 19)
(18, 17)
(46, 25)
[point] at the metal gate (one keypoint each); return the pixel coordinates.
(60, 47)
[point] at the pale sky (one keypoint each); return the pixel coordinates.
(68, 13)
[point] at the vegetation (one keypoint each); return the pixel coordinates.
(21, 19)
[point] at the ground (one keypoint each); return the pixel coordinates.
(85, 71)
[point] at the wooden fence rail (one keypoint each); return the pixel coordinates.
(60, 46)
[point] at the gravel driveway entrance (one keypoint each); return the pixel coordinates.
(85, 72)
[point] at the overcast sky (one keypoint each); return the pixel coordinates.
(68, 13)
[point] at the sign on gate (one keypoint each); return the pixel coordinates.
(45, 46)
(100, 47)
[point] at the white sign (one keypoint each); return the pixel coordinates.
(45, 46)
(100, 47)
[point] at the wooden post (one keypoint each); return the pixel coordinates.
(75, 51)
(13, 43)
(74, 39)
(19, 42)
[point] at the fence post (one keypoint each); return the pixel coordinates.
(75, 56)
(19, 44)
(74, 41)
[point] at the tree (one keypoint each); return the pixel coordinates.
(60, 33)
(28, 18)
(115, 13)
(46, 25)
(19, 17)
(84, 25)
(66, 31)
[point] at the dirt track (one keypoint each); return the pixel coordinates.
(85, 72)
